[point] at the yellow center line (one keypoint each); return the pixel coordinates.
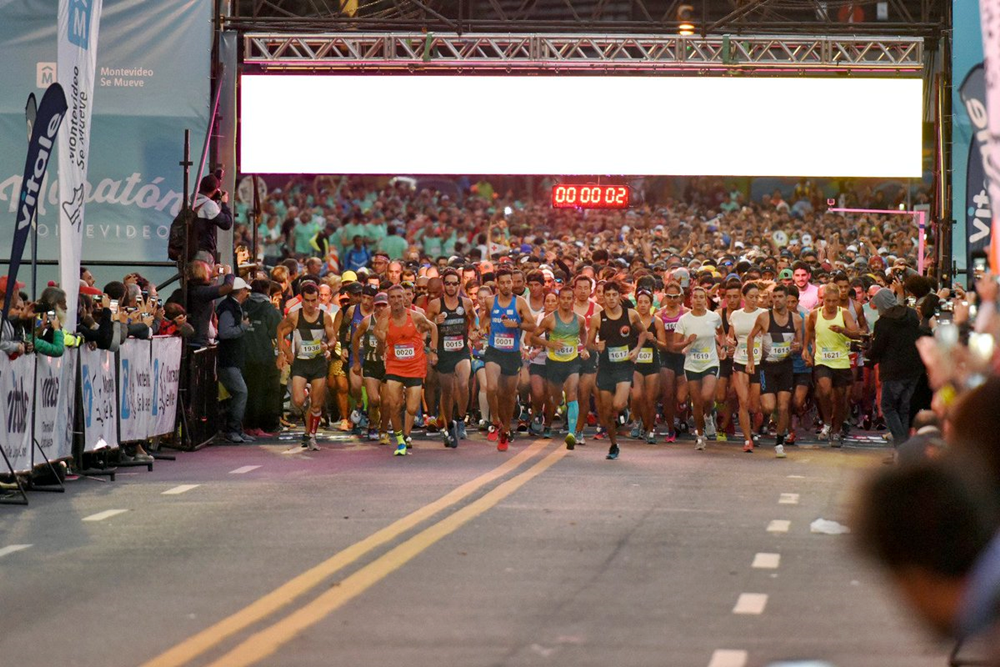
(266, 642)
(288, 592)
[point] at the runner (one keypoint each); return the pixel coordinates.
(543, 407)
(618, 334)
(782, 336)
(746, 380)
(370, 365)
(313, 333)
(646, 380)
(672, 380)
(831, 328)
(724, 388)
(508, 317)
(585, 307)
(563, 334)
(401, 331)
(800, 371)
(354, 315)
(700, 333)
(454, 316)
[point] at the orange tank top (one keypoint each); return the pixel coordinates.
(404, 350)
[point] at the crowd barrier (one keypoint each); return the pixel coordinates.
(126, 396)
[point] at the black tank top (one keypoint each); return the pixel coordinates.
(778, 339)
(369, 349)
(453, 334)
(309, 336)
(649, 354)
(618, 336)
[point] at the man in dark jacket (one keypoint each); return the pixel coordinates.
(894, 349)
(232, 329)
(260, 370)
(211, 208)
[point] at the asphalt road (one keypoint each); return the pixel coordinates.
(467, 557)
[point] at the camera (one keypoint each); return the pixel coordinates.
(863, 344)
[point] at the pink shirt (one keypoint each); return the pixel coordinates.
(809, 297)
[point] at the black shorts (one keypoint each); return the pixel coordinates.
(409, 383)
(588, 366)
(373, 370)
(778, 376)
(538, 370)
(673, 362)
(611, 375)
(310, 369)
(697, 376)
(754, 377)
(447, 361)
(557, 372)
(841, 377)
(509, 362)
(803, 379)
(651, 368)
(725, 368)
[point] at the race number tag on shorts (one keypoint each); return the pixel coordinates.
(404, 351)
(503, 342)
(829, 354)
(453, 343)
(617, 354)
(312, 348)
(645, 356)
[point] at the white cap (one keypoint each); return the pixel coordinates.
(239, 283)
(852, 248)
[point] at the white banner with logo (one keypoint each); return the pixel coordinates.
(55, 381)
(100, 402)
(16, 386)
(77, 63)
(135, 389)
(166, 373)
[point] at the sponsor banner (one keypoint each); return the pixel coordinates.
(979, 166)
(166, 373)
(967, 55)
(990, 18)
(52, 374)
(135, 389)
(79, 21)
(100, 401)
(151, 82)
(16, 385)
(67, 402)
(45, 128)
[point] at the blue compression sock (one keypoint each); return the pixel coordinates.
(572, 413)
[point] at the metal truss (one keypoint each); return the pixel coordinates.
(357, 51)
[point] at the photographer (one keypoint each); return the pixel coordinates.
(894, 349)
(211, 206)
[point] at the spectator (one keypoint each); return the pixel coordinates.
(357, 256)
(175, 322)
(232, 328)
(211, 207)
(394, 244)
(10, 343)
(260, 372)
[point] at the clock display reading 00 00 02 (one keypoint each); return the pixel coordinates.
(590, 196)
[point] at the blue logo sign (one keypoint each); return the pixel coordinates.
(156, 384)
(126, 413)
(88, 394)
(79, 23)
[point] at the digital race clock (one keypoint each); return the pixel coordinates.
(590, 196)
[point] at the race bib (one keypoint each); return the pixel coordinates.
(645, 356)
(404, 351)
(453, 343)
(781, 350)
(829, 354)
(503, 342)
(617, 354)
(701, 354)
(566, 351)
(669, 326)
(311, 348)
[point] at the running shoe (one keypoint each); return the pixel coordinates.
(355, 416)
(483, 426)
(636, 431)
(383, 439)
(748, 446)
(461, 431)
(570, 441)
(409, 442)
(779, 452)
(837, 441)
(613, 452)
(720, 436)
(536, 425)
(372, 434)
(671, 437)
(345, 425)
(591, 419)
(710, 426)
(547, 433)
(824, 433)
(651, 438)
(449, 440)
(790, 439)
(491, 433)
(400, 450)
(313, 447)
(682, 426)
(580, 440)
(600, 434)
(700, 442)
(503, 441)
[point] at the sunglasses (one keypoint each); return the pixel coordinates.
(673, 296)
(451, 283)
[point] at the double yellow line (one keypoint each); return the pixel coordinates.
(268, 640)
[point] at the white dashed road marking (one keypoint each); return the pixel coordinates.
(244, 470)
(13, 549)
(728, 658)
(766, 561)
(177, 490)
(106, 514)
(750, 603)
(796, 477)
(788, 499)
(778, 526)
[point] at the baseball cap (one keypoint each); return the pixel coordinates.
(382, 299)
(3, 284)
(354, 288)
(369, 290)
(84, 289)
(786, 274)
(239, 284)
(348, 276)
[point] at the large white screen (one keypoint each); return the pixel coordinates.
(569, 125)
